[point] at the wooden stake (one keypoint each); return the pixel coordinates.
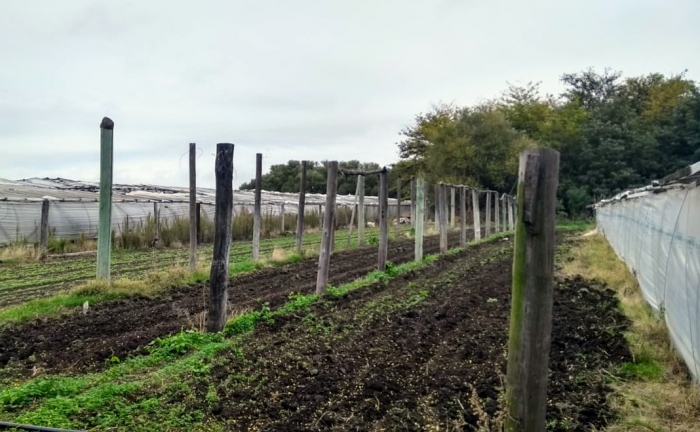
(413, 203)
(477, 216)
(436, 201)
(383, 219)
(257, 217)
(218, 278)
(104, 230)
(533, 280)
(320, 216)
(420, 211)
(324, 258)
(282, 214)
(452, 207)
(200, 234)
(462, 216)
(44, 230)
(354, 207)
(511, 223)
(300, 209)
(398, 207)
(193, 206)
(442, 203)
(361, 210)
(496, 213)
(488, 214)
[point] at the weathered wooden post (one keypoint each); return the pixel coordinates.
(354, 209)
(104, 228)
(462, 216)
(300, 209)
(413, 203)
(426, 204)
(398, 207)
(511, 222)
(193, 206)
(477, 215)
(383, 218)
(496, 213)
(257, 206)
(282, 214)
(324, 258)
(533, 280)
(361, 210)
(420, 210)
(200, 234)
(218, 278)
(452, 207)
(436, 201)
(488, 214)
(320, 216)
(44, 229)
(442, 203)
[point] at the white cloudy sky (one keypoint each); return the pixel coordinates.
(290, 79)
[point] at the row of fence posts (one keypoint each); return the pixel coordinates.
(533, 261)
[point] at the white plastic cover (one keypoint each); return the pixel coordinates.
(658, 236)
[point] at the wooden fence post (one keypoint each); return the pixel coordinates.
(452, 207)
(420, 210)
(44, 229)
(324, 258)
(511, 223)
(398, 208)
(436, 191)
(257, 206)
(488, 214)
(442, 203)
(193, 206)
(354, 210)
(462, 216)
(218, 278)
(361, 210)
(533, 280)
(413, 203)
(300, 209)
(198, 212)
(477, 215)
(320, 216)
(426, 205)
(383, 218)
(282, 214)
(104, 229)
(496, 213)
(156, 224)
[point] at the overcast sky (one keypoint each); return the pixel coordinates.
(290, 79)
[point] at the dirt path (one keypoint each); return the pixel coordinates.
(76, 343)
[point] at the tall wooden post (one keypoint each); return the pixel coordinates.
(398, 207)
(462, 216)
(383, 218)
(436, 202)
(324, 258)
(360, 210)
(420, 210)
(198, 212)
(477, 215)
(488, 214)
(426, 205)
(300, 209)
(282, 214)
(193, 206)
(511, 222)
(452, 207)
(413, 203)
(442, 203)
(533, 280)
(320, 216)
(44, 229)
(496, 213)
(156, 224)
(504, 213)
(218, 278)
(354, 210)
(104, 229)
(257, 216)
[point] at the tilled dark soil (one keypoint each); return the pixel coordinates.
(426, 351)
(77, 342)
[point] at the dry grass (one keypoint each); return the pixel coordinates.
(148, 285)
(656, 393)
(279, 255)
(20, 252)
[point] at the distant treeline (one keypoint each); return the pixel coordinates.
(613, 134)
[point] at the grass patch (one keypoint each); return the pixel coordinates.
(655, 392)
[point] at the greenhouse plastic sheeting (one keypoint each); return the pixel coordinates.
(658, 236)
